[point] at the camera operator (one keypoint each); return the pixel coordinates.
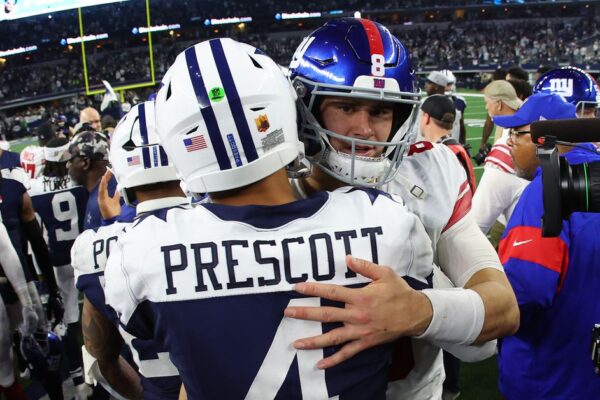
(556, 280)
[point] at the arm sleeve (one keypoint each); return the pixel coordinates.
(460, 266)
(496, 195)
(13, 268)
(534, 265)
(33, 233)
(119, 295)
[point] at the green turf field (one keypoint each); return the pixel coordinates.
(474, 118)
(477, 380)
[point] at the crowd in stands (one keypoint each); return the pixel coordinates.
(461, 46)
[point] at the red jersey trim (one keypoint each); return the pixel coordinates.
(501, 165)
(527, 244)
(419, 147)
(462, 205)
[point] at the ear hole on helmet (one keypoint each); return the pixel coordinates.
(194, 129)
(324, 62)
(168, 91)
(255, 109)
(256, 64)
(128, 145)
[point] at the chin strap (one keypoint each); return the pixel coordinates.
(413, 189)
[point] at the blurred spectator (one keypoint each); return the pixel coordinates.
(91, 116)
(517, 72)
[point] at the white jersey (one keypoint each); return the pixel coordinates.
(33, 160)
(212, 287)
(89, 255)
(434, 186)
(499, 189)
(444, 208)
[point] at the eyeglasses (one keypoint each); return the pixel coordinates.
(512, 133)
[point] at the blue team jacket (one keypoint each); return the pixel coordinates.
(557, 284)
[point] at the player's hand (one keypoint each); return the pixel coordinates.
(110, 207)
(30, 320)
(55, 309)
(380, 312)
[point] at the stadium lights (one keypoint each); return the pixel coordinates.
(86, 38)
(18, 50)
(227, 20)
(155, 28)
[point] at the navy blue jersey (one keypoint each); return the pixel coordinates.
(9, 159)
(61, 206)
(160, 379)
(212, 287)
(93, 218)
(11, 206)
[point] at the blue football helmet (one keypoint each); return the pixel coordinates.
(573, 84)
(41, 352)
(356, 58)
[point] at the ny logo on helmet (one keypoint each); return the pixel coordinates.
(563, 87)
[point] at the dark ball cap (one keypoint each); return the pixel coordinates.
(440, 107)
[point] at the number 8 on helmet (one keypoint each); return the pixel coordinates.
(361, 59)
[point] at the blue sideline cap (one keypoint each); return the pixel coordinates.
(537, 107)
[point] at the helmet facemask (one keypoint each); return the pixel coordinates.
(350, 167)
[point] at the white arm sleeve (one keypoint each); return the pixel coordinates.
(460, 265)
(13, 268)
(497, 194)
(473, 353)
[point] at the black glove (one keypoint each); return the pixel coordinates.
(468, 149)
(55, 308)
(482, 154)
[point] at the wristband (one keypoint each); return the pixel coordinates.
(458, 315)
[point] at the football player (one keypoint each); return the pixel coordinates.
(140, 166)
(32, 156)
(88, 152)
(60, 204)
(459, 132)
(359, 107)
(19, 218)
(212, 286)
(11, 265)
(575, 86)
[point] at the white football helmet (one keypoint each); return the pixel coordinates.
(226, 116)
(451, 79)
(135, 154)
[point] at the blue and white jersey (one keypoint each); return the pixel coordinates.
(60, 203)
(461, 105)
(10, 167)
(213, 285)
(160, 378)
